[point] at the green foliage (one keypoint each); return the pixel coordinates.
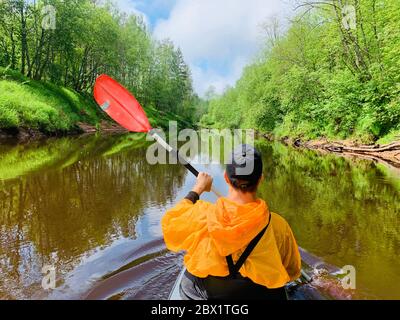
(319, 79)
(91, 38)
(391, 136)
(32, 104)
(161, 119)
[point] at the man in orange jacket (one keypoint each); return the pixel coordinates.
(235, 248)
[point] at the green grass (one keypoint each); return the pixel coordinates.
(161, 119)
(311, 131)
(390, 137)
(26, 103)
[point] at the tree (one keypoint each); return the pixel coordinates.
(91, 38)
(324, 76)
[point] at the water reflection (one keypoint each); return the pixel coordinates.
(58, 215)
(92, 205)
(346, 211)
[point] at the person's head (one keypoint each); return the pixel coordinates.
(245, 171)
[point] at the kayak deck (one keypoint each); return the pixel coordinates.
(299, 290)
(175, 293)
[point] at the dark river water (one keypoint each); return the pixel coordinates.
(91, 207)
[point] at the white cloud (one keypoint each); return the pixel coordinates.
(217, 37)
(203, 78)
(130, 7)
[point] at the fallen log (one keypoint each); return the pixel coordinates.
(335, 149)
(339, 148)
(389, 147)
(389, 153)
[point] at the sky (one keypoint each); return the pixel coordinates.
(218, 38)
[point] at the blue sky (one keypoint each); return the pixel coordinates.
(155, 9)
(217, 37)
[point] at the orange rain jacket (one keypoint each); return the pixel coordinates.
(209, 233)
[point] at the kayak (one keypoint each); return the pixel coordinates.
(175, 293)
(296, 290)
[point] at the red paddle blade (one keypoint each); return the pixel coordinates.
(120, 105)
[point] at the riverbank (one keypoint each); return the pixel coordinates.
(27, 134)
(32, 110)
(389, 153)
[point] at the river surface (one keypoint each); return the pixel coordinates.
(91, 206)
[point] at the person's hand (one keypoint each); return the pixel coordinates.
(203, 184)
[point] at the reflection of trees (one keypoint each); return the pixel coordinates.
(22, 159)
(344, 210)
(86, 205)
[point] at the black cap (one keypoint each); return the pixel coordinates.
(246, 168)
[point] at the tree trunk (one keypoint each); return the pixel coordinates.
(24, 43)
(13, 57)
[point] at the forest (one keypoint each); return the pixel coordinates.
(56, 45)
(331, 71)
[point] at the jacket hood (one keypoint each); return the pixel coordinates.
(232, 226)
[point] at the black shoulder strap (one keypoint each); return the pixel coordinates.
(234, 268)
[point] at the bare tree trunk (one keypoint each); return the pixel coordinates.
(378, 43)
(40, 72)
(24, 42)
(37, 58)
(82, 68)
(13, 56)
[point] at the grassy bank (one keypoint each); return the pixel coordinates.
(43, 107)
(310, 132)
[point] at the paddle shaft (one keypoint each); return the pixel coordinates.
(181, 159)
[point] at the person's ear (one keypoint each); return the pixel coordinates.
(226, 178)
